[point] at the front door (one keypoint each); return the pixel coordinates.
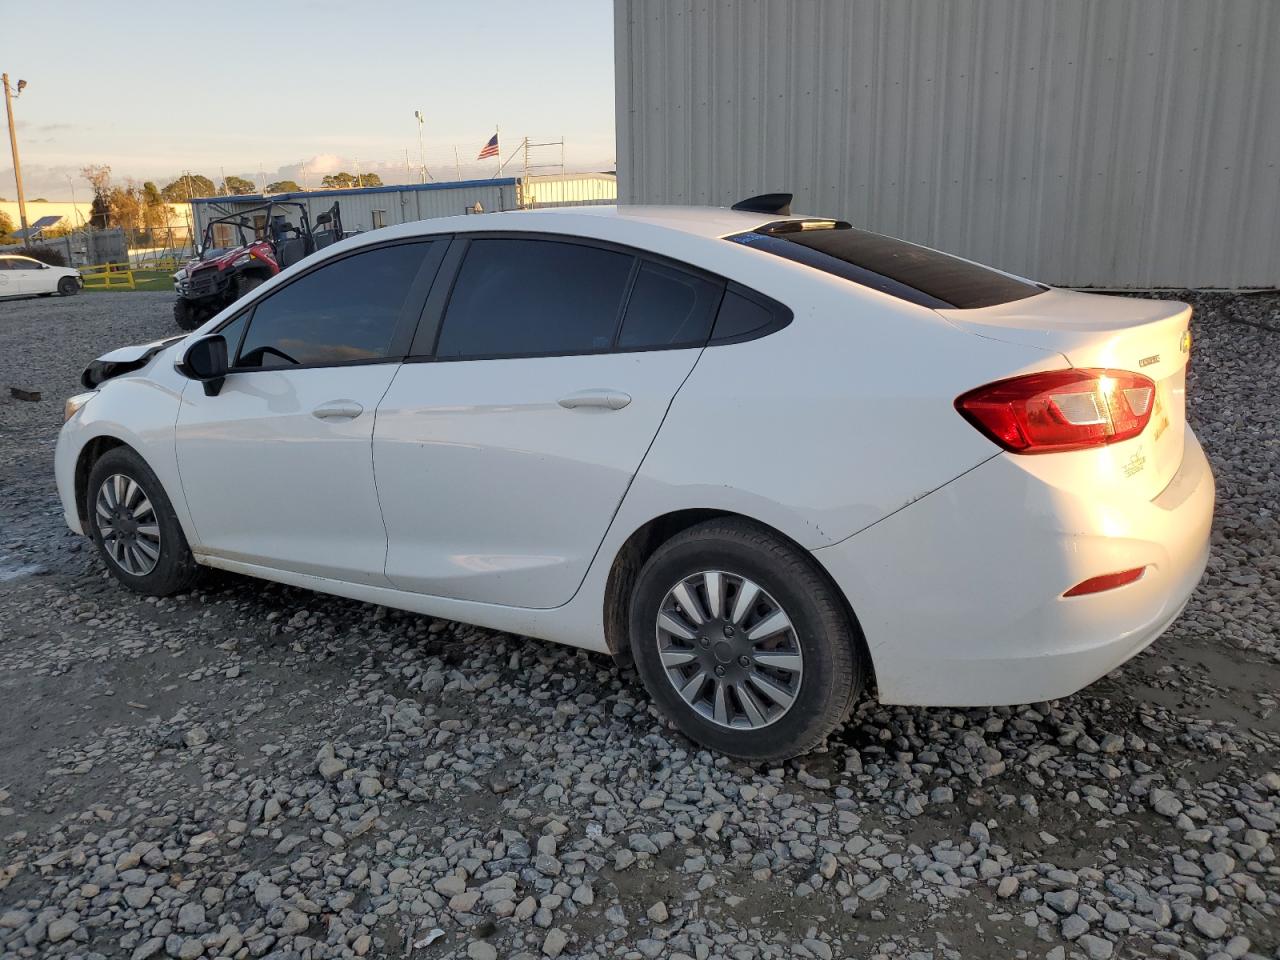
(502, 458)
(277, 467)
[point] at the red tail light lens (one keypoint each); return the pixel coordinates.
(1061, 410)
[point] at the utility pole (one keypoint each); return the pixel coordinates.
(75, 211)
(13, 143)
(457, 164)
(422, 162)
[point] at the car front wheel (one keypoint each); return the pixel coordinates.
(67, 287)
(744, 642)
(134, 527)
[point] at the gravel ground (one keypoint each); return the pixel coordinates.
(251, 770)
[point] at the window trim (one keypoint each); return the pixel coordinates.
(406, 323)
(437, 305)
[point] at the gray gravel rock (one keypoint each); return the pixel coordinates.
(251, 770)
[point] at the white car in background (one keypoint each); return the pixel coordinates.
(25, 277)
(775, 459)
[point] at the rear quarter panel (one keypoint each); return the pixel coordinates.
(838, 420)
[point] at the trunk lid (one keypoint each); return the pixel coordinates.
(1149, 337)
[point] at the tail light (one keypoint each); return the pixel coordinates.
(1061, 410)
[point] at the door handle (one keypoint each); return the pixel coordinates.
(604, 399)
(338, 410)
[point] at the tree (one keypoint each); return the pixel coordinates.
(343, 180)
(6, 225)
(283, 186)
(99, 177)
(155, 212)
(126, 206)
(187, 186)
(238, 186)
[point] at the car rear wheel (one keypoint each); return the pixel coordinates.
(134, 527)
(67, 287)
(744, 642)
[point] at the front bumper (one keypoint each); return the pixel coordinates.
(960, 594)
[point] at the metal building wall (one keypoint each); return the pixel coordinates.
(569, 189)
(401, 203)
(1111, 143)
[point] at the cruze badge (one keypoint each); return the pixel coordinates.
(1148, 361)
(1134, 464)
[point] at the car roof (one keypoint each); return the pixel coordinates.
(699, 221)
(702, 222)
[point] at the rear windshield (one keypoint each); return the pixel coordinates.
(903, 270)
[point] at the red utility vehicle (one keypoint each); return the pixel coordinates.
(268, 243)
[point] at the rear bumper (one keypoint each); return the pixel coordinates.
(960, 594)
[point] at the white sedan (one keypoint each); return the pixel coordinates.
(25, 277)
(777, 460)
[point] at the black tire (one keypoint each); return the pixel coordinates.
(248, 281)
(186, 316)
(833, 673)
(175, 569)
(67, 287)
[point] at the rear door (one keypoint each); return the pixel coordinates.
(503, 449)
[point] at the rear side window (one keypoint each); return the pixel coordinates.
(669, 307)
(344, 311)
(895, 267)
(741, 318)
(516, 297)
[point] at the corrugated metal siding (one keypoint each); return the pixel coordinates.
(570, 189)
(401, 204)
(1082, 142)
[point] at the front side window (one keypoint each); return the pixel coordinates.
(518, 297)
(344, 311)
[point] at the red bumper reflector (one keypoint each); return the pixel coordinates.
(1108, 581)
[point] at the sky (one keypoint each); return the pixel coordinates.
(153, 89)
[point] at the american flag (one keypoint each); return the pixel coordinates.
(490, 149)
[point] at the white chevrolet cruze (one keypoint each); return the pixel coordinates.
(775, 459)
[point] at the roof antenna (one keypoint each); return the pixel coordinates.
(776, 203)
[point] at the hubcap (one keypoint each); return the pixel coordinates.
(128, 525)
(729, 649)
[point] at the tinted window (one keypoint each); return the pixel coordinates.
(668, 307)
(519, 297)
(896, 267)
(341, 312)
(740, 317)
(233, 331)
(25, 264)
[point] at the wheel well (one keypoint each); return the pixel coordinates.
(90, 455)
(641, 545)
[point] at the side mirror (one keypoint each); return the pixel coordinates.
(206, 361)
